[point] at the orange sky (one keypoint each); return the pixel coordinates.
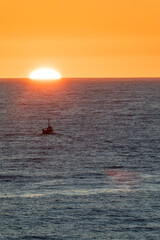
(92, 38)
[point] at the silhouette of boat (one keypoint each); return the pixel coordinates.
(48, 130)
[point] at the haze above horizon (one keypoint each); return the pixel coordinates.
(83, 38)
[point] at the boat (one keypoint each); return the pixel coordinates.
(48, 130)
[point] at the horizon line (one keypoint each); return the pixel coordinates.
(27, 78)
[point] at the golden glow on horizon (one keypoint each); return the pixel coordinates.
(44, 74)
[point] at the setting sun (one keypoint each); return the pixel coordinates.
(44, 74)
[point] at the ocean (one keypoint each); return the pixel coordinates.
(97, 177)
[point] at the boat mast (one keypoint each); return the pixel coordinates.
(48, 122)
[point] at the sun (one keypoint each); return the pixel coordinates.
(45, 74)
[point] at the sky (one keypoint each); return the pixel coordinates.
(80, 38)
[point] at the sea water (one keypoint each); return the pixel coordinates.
(97, 177)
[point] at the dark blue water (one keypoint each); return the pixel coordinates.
(98, 177)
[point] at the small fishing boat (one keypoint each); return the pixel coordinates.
(48, 130)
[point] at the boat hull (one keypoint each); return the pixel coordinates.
(44, 131)
(48, 130)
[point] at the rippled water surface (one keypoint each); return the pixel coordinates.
(97, 177)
